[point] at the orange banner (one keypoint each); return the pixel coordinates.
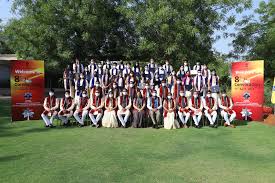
(248, 89)
(27, 89)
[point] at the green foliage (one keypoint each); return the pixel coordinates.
(256, 37)
(119, 29)
(268, 84)
(4, 48)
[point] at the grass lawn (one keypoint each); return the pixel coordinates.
(31, 153)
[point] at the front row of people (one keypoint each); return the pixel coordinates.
(124, 106)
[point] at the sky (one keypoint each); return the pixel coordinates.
(222, 45)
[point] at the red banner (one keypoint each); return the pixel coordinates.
(27, 89)
(248, 89)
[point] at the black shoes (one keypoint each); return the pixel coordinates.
(51, 126)
(213, 126)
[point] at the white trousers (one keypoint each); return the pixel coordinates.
(227, 117)
(126, 114)
(197, 118)
(65, 117)
(48, 120)
(211, 117)
(83, 117)
(94, 119)
(182, 115)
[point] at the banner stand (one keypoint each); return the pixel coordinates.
(27, 89)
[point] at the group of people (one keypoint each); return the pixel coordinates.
(117, 94)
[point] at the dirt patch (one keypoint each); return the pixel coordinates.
(270, 120)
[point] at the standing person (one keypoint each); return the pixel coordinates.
(163, 90)
(92, 67)
(154, 104)
(210, 106)
(99, 71)
(120, 66)
(107, 66)
(186, 67)
(132, 90)
(196, 106)
(227, 112)
(169, 107)
(109, 119)
(87, 74)
(51, 104)
(139, 104)
(114, 70)
(213, 84)
(126, 70)
(181, 72)
(115, 90)
(124, 106)
(152, 67)
(187, 83)
(161, 73)
(77, 67)
(197, 66)
(146, 73)
(176, 88)
(96, 105)
(183, 109)
(106, 82)
(121, 82)
(66, 108)
(167, 68)
(136, 70)
(130, 79)
(146, 92)
(66, 77)
(93, 81)
(80, 85)
(199, 83)
(95, 88)
(82, 108)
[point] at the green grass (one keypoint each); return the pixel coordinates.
(31, 153)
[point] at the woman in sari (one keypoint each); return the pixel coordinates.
(109, 119)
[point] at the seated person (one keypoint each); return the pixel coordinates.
(169, 107)
(210, 106)
(51, 104)
(226, 105)
(82, 108)
(96, 105)
(124, 106)
(183, 109)
(66, 108)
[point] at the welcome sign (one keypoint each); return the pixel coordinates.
(248, 89)
(27, 89)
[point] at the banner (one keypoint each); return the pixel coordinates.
(248, 89)
(273, 93)
(27, 89)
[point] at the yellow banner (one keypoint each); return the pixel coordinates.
(273, 92)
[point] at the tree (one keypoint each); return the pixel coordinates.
(4, 48)
(124, 29)
(179, 29)
(256, 37)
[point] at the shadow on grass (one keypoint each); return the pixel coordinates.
(11, 157)
(241, 122)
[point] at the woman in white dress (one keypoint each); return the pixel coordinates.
(169, 107)
(109, 119)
